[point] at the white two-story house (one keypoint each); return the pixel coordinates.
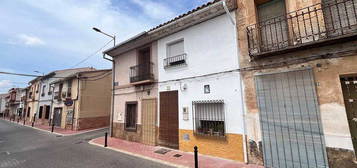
(199, 87)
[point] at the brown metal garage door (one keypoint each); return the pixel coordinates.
(169, 119)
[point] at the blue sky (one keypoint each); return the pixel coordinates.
(47, 35)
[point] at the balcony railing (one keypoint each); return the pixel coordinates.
(141, 72)
(309, 25)
(175, 61)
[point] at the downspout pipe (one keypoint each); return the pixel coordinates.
(245, 149)
(113, 96)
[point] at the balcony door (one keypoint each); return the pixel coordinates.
(340, 16)
(144, 58)
(273, 25)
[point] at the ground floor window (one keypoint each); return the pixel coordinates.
(209, 118)
(130, 115)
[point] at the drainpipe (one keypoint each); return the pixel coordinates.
(38, 101)
(51, 110)
(245, 149)
(228, 13)
(74, 102)
(113, 96)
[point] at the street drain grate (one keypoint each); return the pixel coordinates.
(177, 155)
(59, 136)
(79, 142)
(88, 139)
(162, 151)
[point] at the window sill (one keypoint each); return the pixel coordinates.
(208, 136)
(130, 129)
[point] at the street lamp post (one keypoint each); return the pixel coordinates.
(113, 80)
(99, 31)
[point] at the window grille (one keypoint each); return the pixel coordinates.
(209, 118)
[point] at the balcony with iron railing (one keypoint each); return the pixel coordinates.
(175, 61)
(316, 25)
(141, 74)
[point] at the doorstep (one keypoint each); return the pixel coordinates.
(168, 156)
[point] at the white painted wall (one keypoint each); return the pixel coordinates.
(211, 47)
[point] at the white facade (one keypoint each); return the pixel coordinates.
(212, 59)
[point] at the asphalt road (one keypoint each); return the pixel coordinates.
(23, 147)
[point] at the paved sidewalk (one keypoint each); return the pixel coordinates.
(57, 130)
(185, 159)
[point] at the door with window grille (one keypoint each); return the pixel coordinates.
(290, 120)
(169, 124)
(149, 121)
(349, 89)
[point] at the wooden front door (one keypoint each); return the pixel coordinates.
(349, 89)
(149, 121)
(169, 125)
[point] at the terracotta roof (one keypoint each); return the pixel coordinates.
(185, 14)
(145, 37)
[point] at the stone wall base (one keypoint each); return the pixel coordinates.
(120, 132)
(93, 122)
(341, 158)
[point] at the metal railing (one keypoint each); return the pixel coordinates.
(175, 60)
(141, 72)
(319, 22)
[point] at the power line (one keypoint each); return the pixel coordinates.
(19, 74)
(93, 54)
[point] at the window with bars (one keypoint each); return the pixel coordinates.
(130, 116)
(209, 117)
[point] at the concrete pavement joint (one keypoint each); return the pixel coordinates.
(137, 155)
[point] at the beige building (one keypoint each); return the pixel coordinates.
(136, 92)
(32, 99)
(82, 100)
(298, 62)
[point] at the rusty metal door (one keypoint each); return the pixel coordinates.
(349, 89)
(149, 121)
(169, 126)
(290, 121)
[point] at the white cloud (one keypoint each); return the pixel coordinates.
(155, 10)
(30, 40)
(5, 84)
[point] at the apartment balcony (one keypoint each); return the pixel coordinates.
(175, 61)
(316, 25)
(141, 74)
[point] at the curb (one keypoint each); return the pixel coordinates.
(137, 155)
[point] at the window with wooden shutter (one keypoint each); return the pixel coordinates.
(130, 116)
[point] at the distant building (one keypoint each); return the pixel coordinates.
(82, 100)
(3, 104)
